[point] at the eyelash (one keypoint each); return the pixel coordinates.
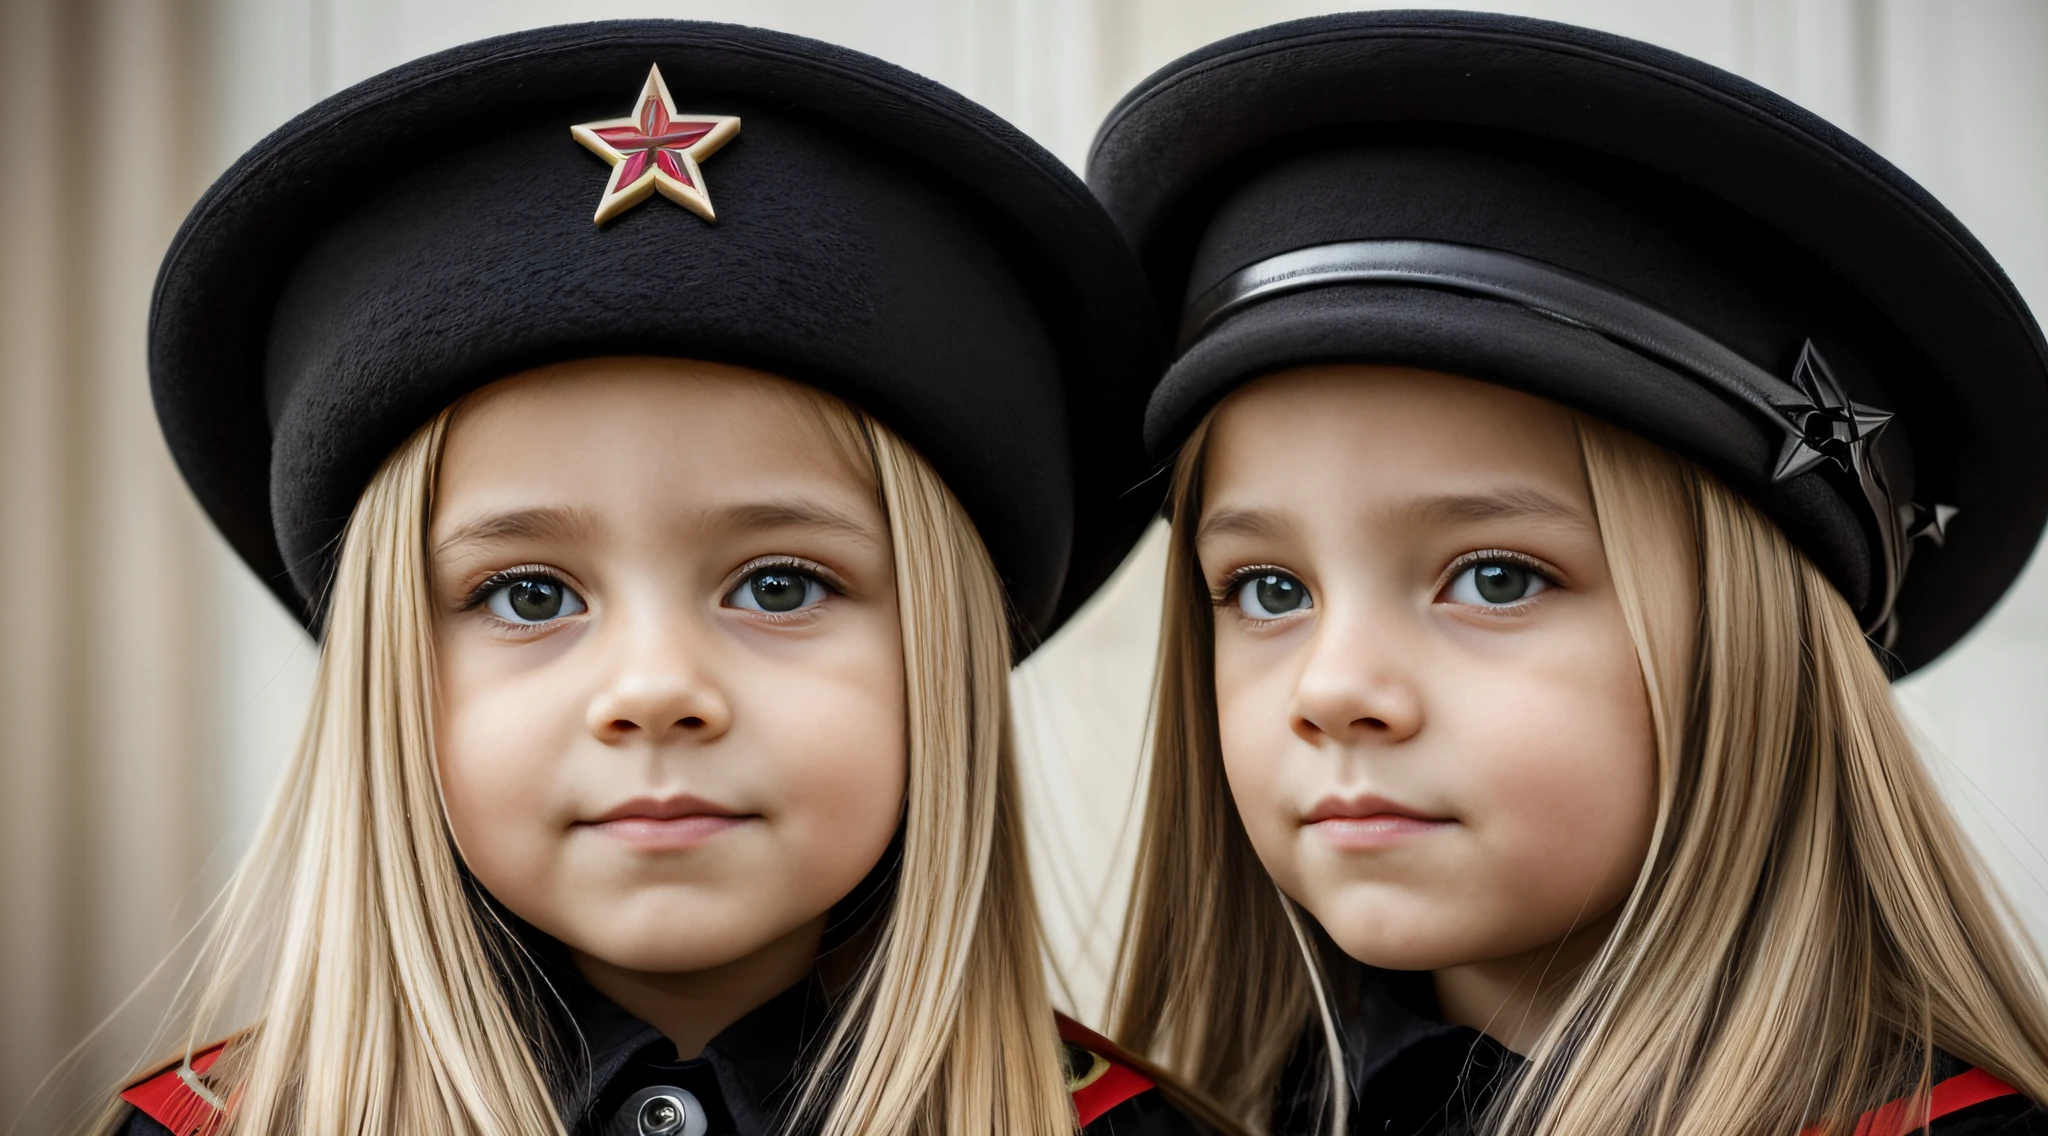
(1495, 556)
(816, 571)
(481, 594)
(807, 567)
(1239, 577)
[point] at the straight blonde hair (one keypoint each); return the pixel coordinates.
(387, 1000)
(1809, 925)
(1211, 980)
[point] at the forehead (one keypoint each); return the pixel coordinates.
(616, 431)
(1371, 432)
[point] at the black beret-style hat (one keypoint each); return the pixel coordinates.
(1622, 229)
(876, 235)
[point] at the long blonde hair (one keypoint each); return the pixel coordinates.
(1808, 928)
(381, 988)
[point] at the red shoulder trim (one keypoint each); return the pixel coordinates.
(177, 1098)
(1110, 1083)
(1969, 1087)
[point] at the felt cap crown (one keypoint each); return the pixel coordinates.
(430, 230)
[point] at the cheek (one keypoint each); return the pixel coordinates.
(835, 749)
(1560, 797)
(1255, 681)
(1263, 760)
(501, 739)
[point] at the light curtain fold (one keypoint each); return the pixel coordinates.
(106, 806)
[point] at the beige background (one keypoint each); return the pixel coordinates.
(149, 689)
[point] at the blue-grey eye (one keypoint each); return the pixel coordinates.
(1496, 583)
(777, 591)
(534, 599)
(1270, 595)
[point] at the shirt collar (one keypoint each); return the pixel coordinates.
(758, 1062)
(1411, 1070)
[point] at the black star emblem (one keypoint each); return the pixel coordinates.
(1826, 426)
(1928, 522)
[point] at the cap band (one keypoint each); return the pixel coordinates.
(1817, 421)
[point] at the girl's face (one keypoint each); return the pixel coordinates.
(1432, 716)
(670, 726)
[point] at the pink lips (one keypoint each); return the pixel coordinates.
(667, 823)
(1370, 822)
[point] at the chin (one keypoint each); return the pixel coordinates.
(1364, 932)
(671, 934)
(1399, 956)
(679, 953)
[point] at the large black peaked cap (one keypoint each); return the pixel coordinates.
(1619, 228)
(879, 236)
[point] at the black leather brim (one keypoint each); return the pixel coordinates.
(1514, 347)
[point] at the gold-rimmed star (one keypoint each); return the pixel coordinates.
(656, 150)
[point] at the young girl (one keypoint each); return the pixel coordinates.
(1570, 436)
(665, 563)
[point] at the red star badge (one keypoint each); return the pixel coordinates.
(656, 149)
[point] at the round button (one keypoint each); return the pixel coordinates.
(661, 1110)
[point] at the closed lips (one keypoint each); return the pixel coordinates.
(1367, 807)
(1371, 822)
(672, 823)
(666, 808)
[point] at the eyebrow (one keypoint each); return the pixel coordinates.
(796, 514)
(571, 524)
(1255, 523)
(1503, 504)
(521, 524)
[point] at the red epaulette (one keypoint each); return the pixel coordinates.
(1971, 1086)
(178, 1097)
(1105, 1079)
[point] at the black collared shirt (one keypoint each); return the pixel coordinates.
(746, 1081)
(618, 1076)
(1414, 1074)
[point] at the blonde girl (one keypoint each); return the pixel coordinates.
(668, 563)
(1568, 441)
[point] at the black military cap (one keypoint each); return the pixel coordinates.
(1621, 229)
(441, 226)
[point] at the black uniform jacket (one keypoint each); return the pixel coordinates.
(628, 1081)
(1416, 1075)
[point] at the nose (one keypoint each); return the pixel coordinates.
(660, 688)
(1357, 687)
